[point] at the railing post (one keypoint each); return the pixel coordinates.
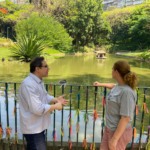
(142, 119)
(70, 119)
(78, 116)
(95, 115)
(54, 124)
(103, 114)
(134, 120)
(62, 118)
(15, 112)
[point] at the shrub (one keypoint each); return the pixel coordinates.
(27, 47)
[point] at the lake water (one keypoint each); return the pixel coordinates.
(83, 70)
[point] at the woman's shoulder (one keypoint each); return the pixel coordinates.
(124, 89)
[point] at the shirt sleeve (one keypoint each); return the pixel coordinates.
(49, 98)
(127, 105)
(31, 97)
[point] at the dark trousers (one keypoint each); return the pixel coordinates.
(35, 141)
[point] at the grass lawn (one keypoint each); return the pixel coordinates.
(134, 54)
(5, 52)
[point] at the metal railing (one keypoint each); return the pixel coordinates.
(80, 124)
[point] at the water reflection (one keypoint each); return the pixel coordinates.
(75, 69)
(57, 123)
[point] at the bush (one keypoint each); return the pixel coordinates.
(46, 28)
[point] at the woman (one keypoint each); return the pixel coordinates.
(120, 105)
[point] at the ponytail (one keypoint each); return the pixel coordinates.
(131, 79)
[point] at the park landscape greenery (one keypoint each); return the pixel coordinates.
(72, 26)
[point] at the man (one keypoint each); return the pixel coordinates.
(36, 104)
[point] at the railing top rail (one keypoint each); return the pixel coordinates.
(69, 84)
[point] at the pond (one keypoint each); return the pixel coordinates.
(82, 70)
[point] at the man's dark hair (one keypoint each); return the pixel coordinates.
(36, 62)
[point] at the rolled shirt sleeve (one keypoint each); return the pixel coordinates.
(49, 98)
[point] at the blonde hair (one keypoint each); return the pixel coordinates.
(128, 77)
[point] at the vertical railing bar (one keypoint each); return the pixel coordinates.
(134, 122)
(70, 99)
(95, 96)
(7, 107)
(103, 114)
(70, 119)
(62, 118)
(46, 129)
(54, 122)
(142, 119)
(86, 113)
(7, 115)
(1, 127)
(78, 116)
(15, 111)
(148, 133)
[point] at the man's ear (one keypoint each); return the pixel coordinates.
(37, 68)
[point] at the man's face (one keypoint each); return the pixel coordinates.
(43, 70)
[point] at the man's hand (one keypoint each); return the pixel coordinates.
(58, 106)
(62, 100)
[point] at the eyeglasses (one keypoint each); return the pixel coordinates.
(46, 66)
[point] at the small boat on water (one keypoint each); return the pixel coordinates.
(101, 54)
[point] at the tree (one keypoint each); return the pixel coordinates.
(46, 28)
(140, 27)
(43, 4)
(118, 21)
(82, 19)
(84, 22)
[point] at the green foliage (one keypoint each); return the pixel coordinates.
(130, 27)
(14, 14)
(46, 28)
(118, 21)
(140, 27)
(83, 21)
(145, 55)
(19, 13)
(27, 47)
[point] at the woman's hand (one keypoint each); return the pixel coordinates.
(96, 83)
(112, 144)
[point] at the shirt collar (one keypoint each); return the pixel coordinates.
(38, 80)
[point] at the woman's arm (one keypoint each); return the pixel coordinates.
(119, 131)
(107, 85)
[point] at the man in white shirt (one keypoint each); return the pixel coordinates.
(36, 104)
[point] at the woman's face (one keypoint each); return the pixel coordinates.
(113, 73)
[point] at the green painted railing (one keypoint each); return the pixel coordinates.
(86, 108)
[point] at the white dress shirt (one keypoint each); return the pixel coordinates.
(34, 105)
